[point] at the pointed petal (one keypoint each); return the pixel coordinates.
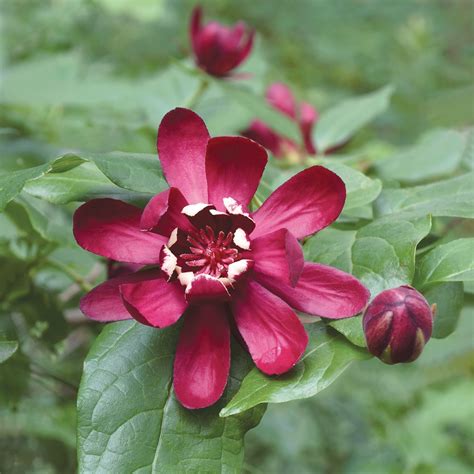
(163, 213)
(278, 255)
(280, 96)
(154, 302)
(195, 27)
(202, 362)
(181, 144)
(234, 166)
(111, 228)
(104, 303)
(308, 117)
(263, 134)
(322, 291)
(275, 337)
(305, 204)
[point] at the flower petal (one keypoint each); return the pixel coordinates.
(111, 228)
(308, 117)
(280, 96)
(163, 213)
(305, 204)
(202, 362)
(195, 26)
(234, 166)
(206, 288)
(104, 303)
(181, 144)
(154, 302)
(263, 134)
(278, 255)
(275, 337)
(322, 291)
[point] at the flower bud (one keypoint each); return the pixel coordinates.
(397, 325)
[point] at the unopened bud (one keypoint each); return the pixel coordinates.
(397, 325)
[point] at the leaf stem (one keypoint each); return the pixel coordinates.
(196, 97)
(82, 282)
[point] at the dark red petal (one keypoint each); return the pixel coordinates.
(104, 302)
(322, 291)
(245, 49)
(234, 166)
(111, 228)
(202, 362)
(280, 96)
(308, 117)
(181, 144)
(305, 204)
(261, 133)
(195, 27)
(163, 213)
(154, 302)
(278, 255)
(206, 288)
(275, 337)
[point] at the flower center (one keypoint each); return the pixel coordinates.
(210, 253)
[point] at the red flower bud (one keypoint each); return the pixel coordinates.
(219, 49)
(397, 325)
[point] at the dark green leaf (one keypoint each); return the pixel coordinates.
(339, 123)
(130, 421)
(327, 356)
(7, 349)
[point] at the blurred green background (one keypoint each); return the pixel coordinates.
(417, 418)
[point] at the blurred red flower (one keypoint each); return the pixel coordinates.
(219, 49)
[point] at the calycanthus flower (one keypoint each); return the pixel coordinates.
(219, 49)
(218, 265)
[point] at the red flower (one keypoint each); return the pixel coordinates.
(217, 48)
(281, 98)
(216, 261)
(398, 324)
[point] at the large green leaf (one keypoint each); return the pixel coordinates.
(451, 197)
(381, 254)
(130, 421)
(339, 123)
(7, 349)
(327, 356)
(453, 261)
(437, 153)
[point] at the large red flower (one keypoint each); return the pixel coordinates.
(219, 49)
(215, 260)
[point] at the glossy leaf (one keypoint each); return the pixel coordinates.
(339, 123)
(453, 261)
(7, 349)
(327, 356)
(451, 197)
(130, 421)
(437, 154)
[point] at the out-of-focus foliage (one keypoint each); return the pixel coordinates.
(84, 78)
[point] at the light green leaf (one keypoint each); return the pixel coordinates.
(437, 154)
(451, 198)
(453, 261)
(339, 123)
(7, 349)
(130, 421)
(449, 299)
(79, 184)
(326, 357)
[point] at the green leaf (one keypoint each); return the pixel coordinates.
(451, 198)
(7, 349)
(130, 421)
(381, 254)
(453, 261)
(449, 299)
(360, 189)
(326, 357)
(437, 154)
(79, 184)
(339, 123)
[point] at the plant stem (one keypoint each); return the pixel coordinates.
(82, 282)
(196, 97)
